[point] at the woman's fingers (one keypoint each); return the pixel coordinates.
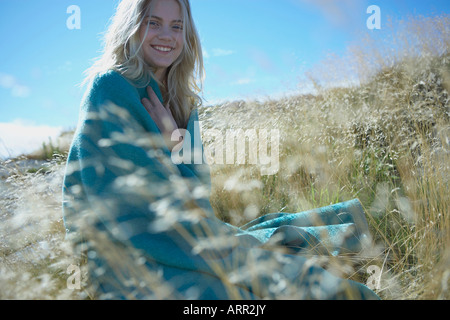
(147, 104)
(153, 97)
(155, 102)
(168, 109)
(162, 115)
(153, 105)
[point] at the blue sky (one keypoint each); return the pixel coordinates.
(253, 48)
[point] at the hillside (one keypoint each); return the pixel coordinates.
(384, 141)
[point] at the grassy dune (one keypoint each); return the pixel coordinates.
(384, 141)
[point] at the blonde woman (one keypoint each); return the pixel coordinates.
(143, 222)
(144, 47)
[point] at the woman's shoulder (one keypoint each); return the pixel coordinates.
(110, 86)
(111, 80)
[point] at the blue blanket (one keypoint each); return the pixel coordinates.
(148, 229)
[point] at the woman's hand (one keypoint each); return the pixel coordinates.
(162, 116)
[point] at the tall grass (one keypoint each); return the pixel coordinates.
(33, 254)
(383, 139)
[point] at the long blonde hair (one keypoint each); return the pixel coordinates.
(122, 52)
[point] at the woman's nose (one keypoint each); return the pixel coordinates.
(165, 33)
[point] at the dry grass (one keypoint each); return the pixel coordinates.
(385, 141)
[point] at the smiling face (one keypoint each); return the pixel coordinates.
(161, 34)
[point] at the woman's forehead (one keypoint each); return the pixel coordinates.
(165, 10)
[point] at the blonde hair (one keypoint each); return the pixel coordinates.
(122, 53)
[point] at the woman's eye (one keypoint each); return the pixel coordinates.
(153, 24)
(177, 27)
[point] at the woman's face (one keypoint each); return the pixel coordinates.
(163, 43)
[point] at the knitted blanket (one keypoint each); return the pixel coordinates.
(147, 229)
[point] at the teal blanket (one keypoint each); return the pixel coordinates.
(148, 230)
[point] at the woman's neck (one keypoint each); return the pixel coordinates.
(161, 75)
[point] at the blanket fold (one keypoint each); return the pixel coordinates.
(148, 229)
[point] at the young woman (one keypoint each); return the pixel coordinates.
(143, 221)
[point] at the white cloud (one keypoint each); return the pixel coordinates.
(17, 89)
(243, 81)
(217, 52)
(22, 137)
(205, 54)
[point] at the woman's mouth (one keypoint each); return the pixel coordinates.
(162, 49)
